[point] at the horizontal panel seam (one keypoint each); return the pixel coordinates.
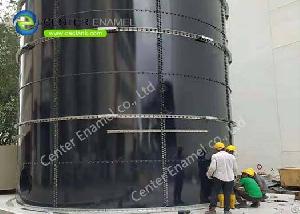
(112, 162)
(127, 116)
(193, 36)
(138, 73)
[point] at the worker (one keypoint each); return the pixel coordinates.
(250, 192)
(231, 149)
(261, 182)
(222, 171)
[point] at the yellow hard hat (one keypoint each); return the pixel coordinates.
(219, 146)
(249, 171)
(252, 171)
(231, 148)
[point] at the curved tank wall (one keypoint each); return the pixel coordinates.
(104, 121)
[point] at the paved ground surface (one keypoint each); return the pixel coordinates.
(276, 204)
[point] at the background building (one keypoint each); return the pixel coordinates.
(264, 37)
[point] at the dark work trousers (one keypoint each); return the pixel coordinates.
(241, 194)
(227, 188)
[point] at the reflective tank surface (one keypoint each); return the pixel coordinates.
(125, 121)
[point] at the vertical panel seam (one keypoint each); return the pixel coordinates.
(55, 109)
(162, 101)
(223, 19)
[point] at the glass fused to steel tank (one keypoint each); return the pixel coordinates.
(124, 121)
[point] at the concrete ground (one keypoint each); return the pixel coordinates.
(276, 204)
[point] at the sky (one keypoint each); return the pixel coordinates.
(4, 7)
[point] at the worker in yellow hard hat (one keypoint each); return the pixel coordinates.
(222, 171)
(219, 146)
(259, 180)
(249, 171)
(231, 149)
(251, 190)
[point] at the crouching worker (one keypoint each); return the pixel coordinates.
(261, 183)
(251, 191)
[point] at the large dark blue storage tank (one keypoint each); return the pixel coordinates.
(105, 121)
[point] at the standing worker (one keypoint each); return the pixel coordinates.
(222, 171)
(231, 149)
